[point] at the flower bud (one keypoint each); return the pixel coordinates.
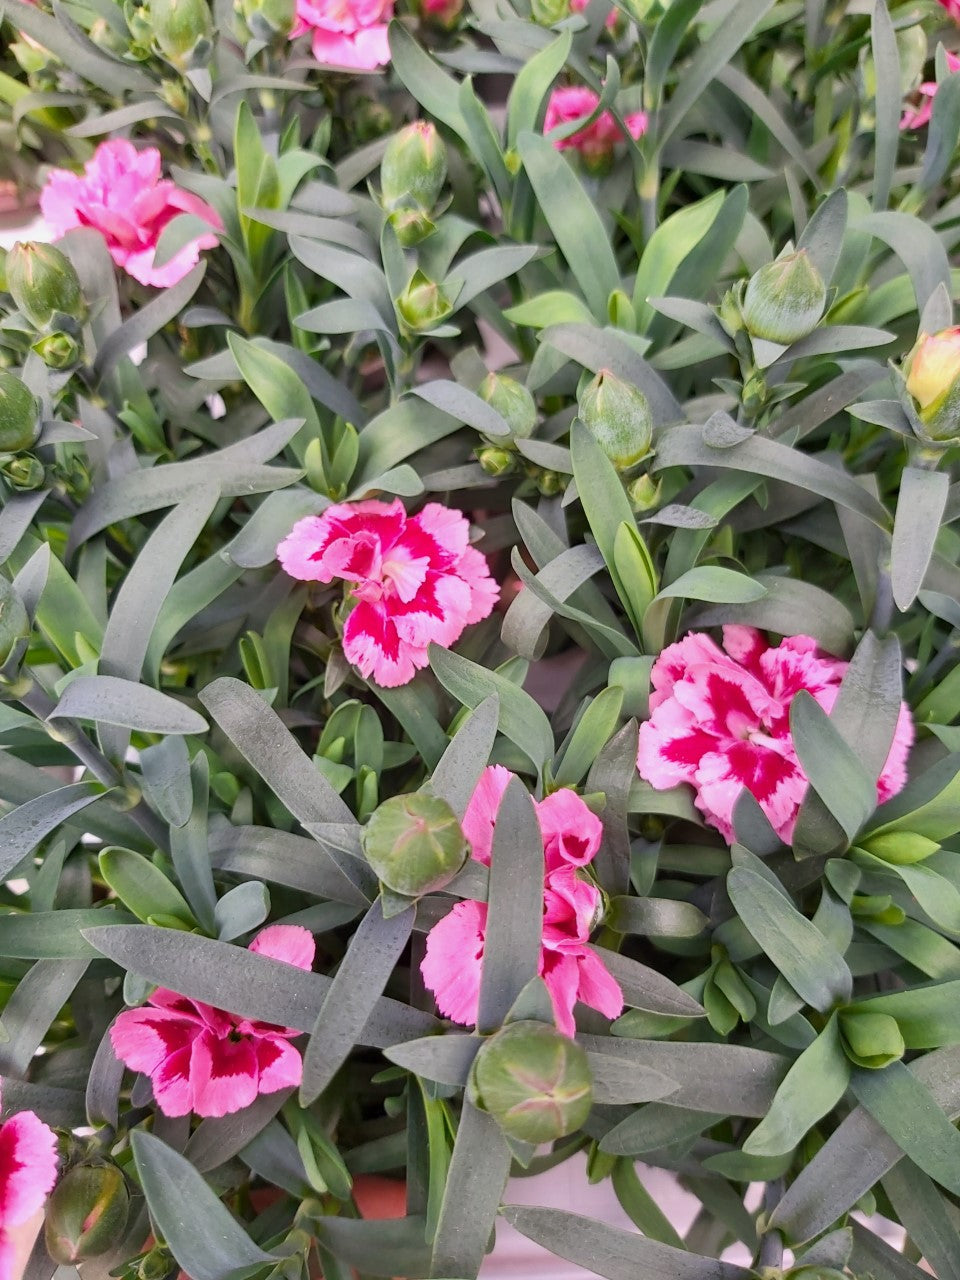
(496, 461)
(550, 483)
(784, 300)
(423, 304)
(414, 167)
(24, 472)
(871, 1040)
(411, 226)
(932, 372)
(534, 1081)
(269, 20)
(86, 1213)
(644, 493)
(444, 14)
(618, 417)
(547, 12)
(902, 848)
(414, 843)
(44, 284)
(58, 350)
(19, 414)
(512, 401)
(14, 622)
(181, 31)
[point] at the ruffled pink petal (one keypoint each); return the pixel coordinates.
(637, 121)
(484, 591)
(598, 988)
(28, 1167)
(279, 1064)
(570, 906)
(449, 528)
(571, 832)
(364, 51)
(770, 773)
(300, 553)
(371, 644)
(481, 814)
(453, 963)
(172, 1084)
(673, 663)
(671, 745)
(144, 1038)
(894, 775)
(290, 943)
(561, 973)
(223, 1075)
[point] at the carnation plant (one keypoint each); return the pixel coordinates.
(479, 626)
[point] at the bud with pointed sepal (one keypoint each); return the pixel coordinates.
(644, 493)
(414, 843)
(182, 31)
(24, 472)
(44, 284)
(414, 167)
(269, 20)
(514, 403)
(784, 300)
(58, 350)
(19, 414)
(618, 417)
(86, 1213)
(932, 381)
(870, 1040)
(423, 304)
(534, 1081)
(901, 848)
(496, 461)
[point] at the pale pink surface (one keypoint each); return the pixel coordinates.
(916, 117)
(720, 720)
(28, 1170)
(121, 194)
(596, 139)
(346, 33)
(415, 580)
(453, 962)
(204, 1059)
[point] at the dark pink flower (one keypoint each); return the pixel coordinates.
(346, 33)
(416, 580)
(453, 962)
(28, 1170)
(917, 116)
(205, 1060)
(121, 195)
(595, 141)
(720, 720)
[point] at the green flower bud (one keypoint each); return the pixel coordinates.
(58, 350)
(156, 1265)
(136, 16)
(513, 401)
(14, 623)
(496, 461)
(19, 414)
(86, 1213)
(871, 1040)
(423, 304)
(784, 300)
(547, 12)
(902, 848)
(534, 1081)
(104, 36)
(269, 19)
(932, 380)
(643, 493)
(411, 226)
(44, 284)
(618, 417)
(182, 31)
(550, 483)
(414, 167)
(24, 472)
(414, 843)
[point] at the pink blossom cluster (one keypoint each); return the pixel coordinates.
(453, 963)
(595, 141)
(346, 33)
(413, 580)
(28, 1170)
(121, 194)
(204, 1059)
(720, 720)
(917, 116)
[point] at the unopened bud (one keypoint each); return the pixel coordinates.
(44, 284)
(547, 12)
(784, 300)
(513, 401)
(414, 167)
(415, 843)
(932, 373)
(534, 1081)
(423, 304)
(86, 1213)
(14, 622)
(496, 461)
(24, 472)
(58, 350)
(444, 14)
(871, 1040)
(269, 19)
(182, 31)
(902, 848)
(19, 414)
(411, 226)
(644, 493)
(618, 417)
(550, 483)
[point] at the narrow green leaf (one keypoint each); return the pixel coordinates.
(143, 887)
(110, 700)
(459, 769)
(920, 507)
(910, 1115)
(833, 767)
(886, 61)
(531, 86)
(22, 829)
(475, 1181)
(926, 1216)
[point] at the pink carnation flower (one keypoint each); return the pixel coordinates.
(346, 33)
(205, 1060)
(415, 579)
(28, 1170)
(720, 720)
(121, 195)
(453, 962)
(595, 141)
(917, 116)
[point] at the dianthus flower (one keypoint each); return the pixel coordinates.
(720, 720)
(917, 116)
(121, 194)
(453, 963)
(28, 1170)
(346, 33)
(204, 1059)
(416, 580)
(595, 141)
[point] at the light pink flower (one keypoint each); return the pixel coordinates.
(578, 6)
(917, 116)
(346, 33)
(720, 720)
(204, 1059)
(415, 580)
(28, 1170)
(453, 962)
(595, 141)
(121, 194)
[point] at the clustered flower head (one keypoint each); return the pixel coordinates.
(346, 33)
(412, 581)
(595, 142)
(204, 1059)
(121, 194)
(28, 1170)
(453, 964)
(720, 720)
